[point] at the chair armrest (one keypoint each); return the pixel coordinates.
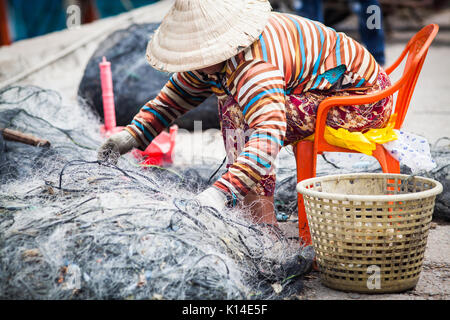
(394, 66)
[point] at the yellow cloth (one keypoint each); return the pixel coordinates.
(361, 142)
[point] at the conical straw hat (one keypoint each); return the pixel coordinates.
(200, 33)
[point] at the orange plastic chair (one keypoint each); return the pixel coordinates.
(306, 151)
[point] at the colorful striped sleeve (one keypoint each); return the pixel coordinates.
(259, 88)
(183, 92)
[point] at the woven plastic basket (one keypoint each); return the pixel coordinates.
(369, 231)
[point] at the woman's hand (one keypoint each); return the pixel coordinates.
(212, 197)
(115, 146)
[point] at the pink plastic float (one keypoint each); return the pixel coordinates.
(109, 110)
(160, 151)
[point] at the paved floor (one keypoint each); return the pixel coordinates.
(429, 112)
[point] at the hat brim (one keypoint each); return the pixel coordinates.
(187, 41)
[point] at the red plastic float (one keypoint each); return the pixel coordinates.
(160, 151)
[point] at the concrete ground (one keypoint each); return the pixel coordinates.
(429, 116)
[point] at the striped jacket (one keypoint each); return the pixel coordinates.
(292, 55)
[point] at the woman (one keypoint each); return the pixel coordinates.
(270, 71)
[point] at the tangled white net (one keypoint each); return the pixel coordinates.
(72, 228)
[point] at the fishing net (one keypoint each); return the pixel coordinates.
(441, 154)
(135, 81)
(73, 228)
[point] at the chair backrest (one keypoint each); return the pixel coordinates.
(416, 51)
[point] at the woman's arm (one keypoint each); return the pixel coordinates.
(259, 88)
(183, 92)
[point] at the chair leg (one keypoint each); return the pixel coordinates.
(393, 166)
(305, 169)
(388, 165)
(387, 162)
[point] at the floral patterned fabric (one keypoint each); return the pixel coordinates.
(301, 112)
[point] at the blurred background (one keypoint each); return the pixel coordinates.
(22, 19)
